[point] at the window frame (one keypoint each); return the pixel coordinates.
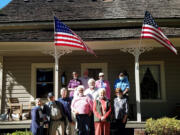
(162, 80)
(34, 66)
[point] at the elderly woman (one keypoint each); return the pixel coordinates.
(73, 84)
(82, 107)
(37, 118)
(120, 110)
(102, 111)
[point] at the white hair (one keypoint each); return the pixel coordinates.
(80, 87)
(63, 89)
(102, 90)
(38, 100)
(90, 81)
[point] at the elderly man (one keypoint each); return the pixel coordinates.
(92, 91)
(82, 107)
(56, 115)
(66, 102)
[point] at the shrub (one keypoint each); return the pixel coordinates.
(163, 126)
(22, 133)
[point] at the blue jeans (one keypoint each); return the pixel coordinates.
(83, 124)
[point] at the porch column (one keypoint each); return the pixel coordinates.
(136, 52)
(137, 84)
(56, 52)
(1, 82)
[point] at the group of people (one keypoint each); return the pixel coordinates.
(84, 108)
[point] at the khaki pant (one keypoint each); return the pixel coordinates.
(56, 128)
(70, 129)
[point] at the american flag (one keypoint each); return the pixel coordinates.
(64, 36)
(151, 30)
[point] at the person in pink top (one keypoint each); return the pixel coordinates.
(101, 83)
(82, 106)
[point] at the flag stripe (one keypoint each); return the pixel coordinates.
(64, 44)
(71, 43)
(68, 40)
(60, 34)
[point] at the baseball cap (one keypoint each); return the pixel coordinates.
(101, 74)
(50, 94)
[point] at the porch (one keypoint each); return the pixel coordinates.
(10, 126)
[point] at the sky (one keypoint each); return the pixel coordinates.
(3, 3)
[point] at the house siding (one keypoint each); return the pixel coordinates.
(17, 75)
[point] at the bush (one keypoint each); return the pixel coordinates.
(22, 133)
(163, 126)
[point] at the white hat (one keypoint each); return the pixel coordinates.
(101, 74)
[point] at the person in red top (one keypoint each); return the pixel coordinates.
(102, 111)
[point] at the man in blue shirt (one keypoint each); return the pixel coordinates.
(123, 83)
(66, 102)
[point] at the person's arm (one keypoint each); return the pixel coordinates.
(96, 84)
(69, 86)
(68, 110)
(127, 87)
(73, 109)
(126, 111)
(125, 91)
(34, 117)
(90, 104)
(95, 111)
(62, 110)
(108, 90)
(115, 84)
(107, 113)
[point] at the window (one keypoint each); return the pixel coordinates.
(42, 81)
(94, 69)
(152, 81)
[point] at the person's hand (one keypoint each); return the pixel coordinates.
(124, 120)
(124, 92)
(102, 118)
(72, 123)
(89, 114)
(76, 112)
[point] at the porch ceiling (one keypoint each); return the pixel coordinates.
(37, 48)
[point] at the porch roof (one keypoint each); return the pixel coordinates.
(37, 48)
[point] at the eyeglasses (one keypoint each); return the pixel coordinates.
(101, 76)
